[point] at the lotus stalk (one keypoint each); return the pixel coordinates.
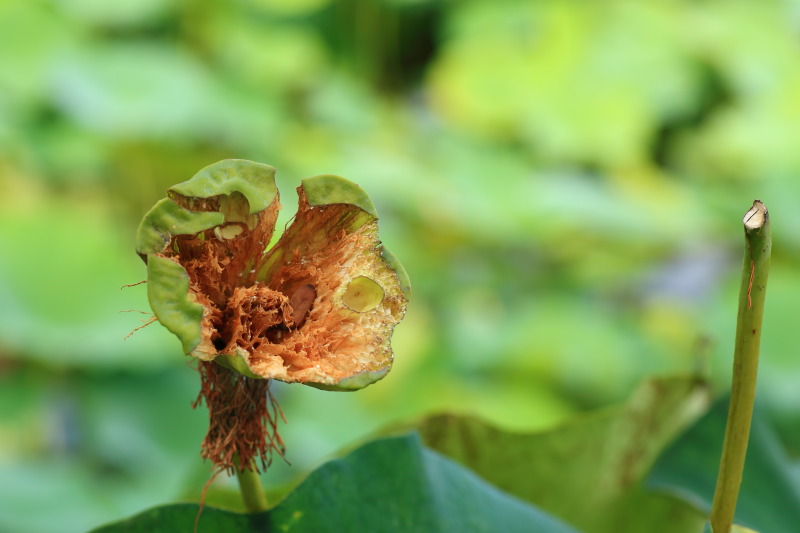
(755, 270)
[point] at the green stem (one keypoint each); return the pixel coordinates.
(255, 501)
(758, 243)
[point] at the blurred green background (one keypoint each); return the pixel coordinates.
(564, 182)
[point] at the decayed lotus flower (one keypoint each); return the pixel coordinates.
(318, 307)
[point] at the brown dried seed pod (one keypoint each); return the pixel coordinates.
(317, 308)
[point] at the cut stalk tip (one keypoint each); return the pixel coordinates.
(756, 216)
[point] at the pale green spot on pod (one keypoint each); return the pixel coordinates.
(362, 294)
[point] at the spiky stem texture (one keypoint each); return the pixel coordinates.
(758, 243)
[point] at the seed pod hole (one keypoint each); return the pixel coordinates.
(302, 299)
(362, 294)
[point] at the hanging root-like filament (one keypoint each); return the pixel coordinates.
(243, 420)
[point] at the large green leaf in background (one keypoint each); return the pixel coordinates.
(589, 471)
(392, 485)
(769, 500)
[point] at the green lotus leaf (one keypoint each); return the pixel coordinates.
(589, 472)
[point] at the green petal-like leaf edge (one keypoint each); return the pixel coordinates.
(256, 181)
(402, 276)
(175, 308)
(167, 219)
(359, 381)
(328, 189)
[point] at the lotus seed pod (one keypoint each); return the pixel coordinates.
(318, 307)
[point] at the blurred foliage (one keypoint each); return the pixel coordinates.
(563, 181)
